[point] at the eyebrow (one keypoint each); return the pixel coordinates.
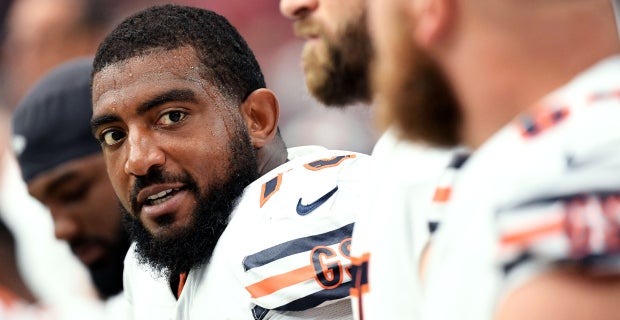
(173, 95)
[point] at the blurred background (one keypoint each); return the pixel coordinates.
(39, 34)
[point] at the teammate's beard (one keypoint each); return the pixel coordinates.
(412, 93)
(107, 273)
(338, 75)
(193, 246)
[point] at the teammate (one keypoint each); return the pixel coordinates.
(235, 226)
(64, 169)
(338, 51)
(337, 59)
(17, 300)
(531, 230)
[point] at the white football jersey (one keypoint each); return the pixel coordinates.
(389, 238)
(285, 253)
(542, 191)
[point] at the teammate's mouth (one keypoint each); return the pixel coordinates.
(89, 252)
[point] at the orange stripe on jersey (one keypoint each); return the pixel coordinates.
(327, 163)
(359, 260)
(523, 237)
(604, 95)
(442, 194)
(182, 280)
(269, 188)
(531, 126)
(281, 281)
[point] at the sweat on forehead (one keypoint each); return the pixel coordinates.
(225, 58)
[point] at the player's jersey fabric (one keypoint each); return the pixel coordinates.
(389, 238)
(285, 253)
(544, 190)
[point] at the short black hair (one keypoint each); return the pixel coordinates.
(228, 62)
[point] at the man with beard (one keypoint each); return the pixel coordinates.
(64, 169)
(227, 224)
(336, 60)
(531, 230)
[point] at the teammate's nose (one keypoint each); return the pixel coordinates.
(65, 226)
(297, 9)
(143, 154)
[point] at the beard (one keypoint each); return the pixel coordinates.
(193, 245)
(412, 93)
(337, 73)
(107, 273)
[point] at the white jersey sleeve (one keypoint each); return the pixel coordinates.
(543, 192)
(389, 238)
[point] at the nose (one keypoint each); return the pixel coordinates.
(298, 9)
(143, 154)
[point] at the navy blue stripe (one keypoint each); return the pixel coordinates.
(458, 160)
(259, 312)
(270, 186)
(317, 298)
(432, 226)
(321, 163)
(601, 195)
(297, 246)
(362, 269)
(519, 260)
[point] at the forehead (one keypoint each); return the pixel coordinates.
(87, 167)
(122, 82)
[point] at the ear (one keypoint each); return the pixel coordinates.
(260, 112)
(431, 20)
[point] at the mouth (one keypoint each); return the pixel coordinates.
(159, 200)
(306, 31)
(160, 197)
(89, 253)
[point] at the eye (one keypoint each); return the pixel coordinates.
(171, 117)
(70, 196)
(112, 137)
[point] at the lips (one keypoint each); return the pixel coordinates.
(306, 30)
(161, 199)
(89, 252)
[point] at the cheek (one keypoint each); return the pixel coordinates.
(117, 178)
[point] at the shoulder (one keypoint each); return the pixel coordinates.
(300, 260)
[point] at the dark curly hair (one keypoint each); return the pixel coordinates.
(227, 61)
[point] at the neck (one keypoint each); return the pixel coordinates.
(271, 156)
(506, 63)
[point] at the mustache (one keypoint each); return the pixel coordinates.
(158, 176)
(305, 28)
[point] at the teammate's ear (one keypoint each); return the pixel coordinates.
(260, 112)
(430, 20)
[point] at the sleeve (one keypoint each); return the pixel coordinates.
(576, 224)
(581, 230)
(301, 274)
(303, 265)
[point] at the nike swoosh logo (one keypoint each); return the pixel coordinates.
(303, 210)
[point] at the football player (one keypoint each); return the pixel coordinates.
(227, 223)
(531, 228)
